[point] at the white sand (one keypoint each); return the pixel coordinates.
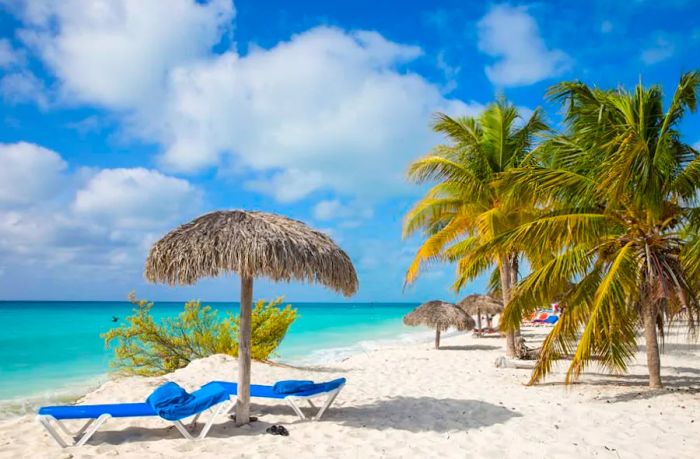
(413, 401)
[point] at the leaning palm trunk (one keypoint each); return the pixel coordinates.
(504, 268)
(513, 282)
(649, 317)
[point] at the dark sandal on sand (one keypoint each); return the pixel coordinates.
(277, 430)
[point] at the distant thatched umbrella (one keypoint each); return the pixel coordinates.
(440, 316)
(250, 244)
(478, 304)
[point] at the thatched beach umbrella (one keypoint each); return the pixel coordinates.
(440, 316)
(478, 304)
(250, 244)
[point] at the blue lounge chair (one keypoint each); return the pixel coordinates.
(174, 410)
(306, 391)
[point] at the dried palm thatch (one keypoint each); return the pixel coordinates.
(250, 244)
(481, 304)
(440, 316)
(253, 244)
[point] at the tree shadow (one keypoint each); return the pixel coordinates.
(420, 414)
(695, 371)
(310, 368)
(473, 347)
(414, 414)
(672, 384)
(670, 347)
(225, 428)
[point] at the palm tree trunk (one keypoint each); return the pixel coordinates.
(437, 338)
(649, 312)
(243, 397)
(513, 282)
(504, 268)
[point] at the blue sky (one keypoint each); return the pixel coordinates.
(121, 119)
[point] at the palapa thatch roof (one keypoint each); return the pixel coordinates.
(439, 315)
(249, 243)
(486, 304)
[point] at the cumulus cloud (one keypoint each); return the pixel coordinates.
(662, 49)
(327, 109)
(135, 198)
(117, 53)
(511, 35)
(287, 186)
(100, 222)
(23, 86)
(9, 56)
(334, 209)
(28, 174)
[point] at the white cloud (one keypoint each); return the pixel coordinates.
(326, 110)
(106, 224)
(23, 86)
(661, 50)
(511, 35)
(287, 186)
(28, 174)
(135, 198)
(92, 123)
(9, 56)
(334, 209)
(328, 209)
(118, 53)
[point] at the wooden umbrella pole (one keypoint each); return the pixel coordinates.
(243, 398)
(478, 321)
(437, 338)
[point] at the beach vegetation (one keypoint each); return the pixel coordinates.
(619, 235)
(465, 207)
(145, 346)
(605, 212)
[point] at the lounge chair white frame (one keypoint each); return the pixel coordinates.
(84, 434)
(292, 402)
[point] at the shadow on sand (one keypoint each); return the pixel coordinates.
(414, 414)
(473, 347)
(672, 384)
(224, 429)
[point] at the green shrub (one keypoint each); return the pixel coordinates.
(145, 347)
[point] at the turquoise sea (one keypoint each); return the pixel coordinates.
(52, 351)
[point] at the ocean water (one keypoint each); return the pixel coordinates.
(52, 351)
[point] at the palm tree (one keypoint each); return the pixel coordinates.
(464, 208)
(619, 242)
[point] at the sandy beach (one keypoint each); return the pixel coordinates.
(414, 401)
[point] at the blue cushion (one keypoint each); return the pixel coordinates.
(261, 391)
(167, 394)
(184, 407)
(118, 410)
(291, 386)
